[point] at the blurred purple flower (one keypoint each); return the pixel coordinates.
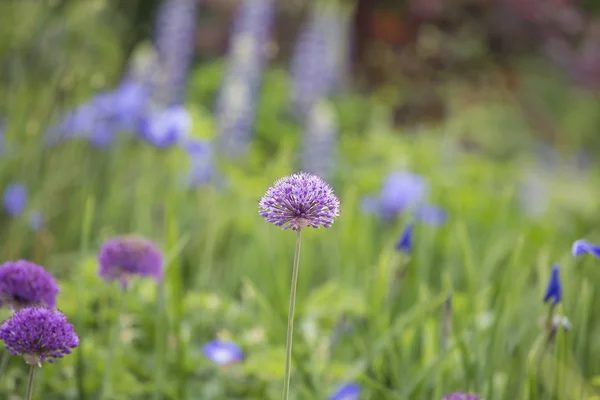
(235, 108)
(461, 396)
(554, 288)
(36, 220)
(25, 284)
(174, 39)
(167, 127)
(202, 168)
(405, 243)
(317, 61)
(582, 246)
(223, 353)
(319, 140)
(123, 257)
(347, 391)
(38, 334)
(130, 102)
(15, 199)
(401, 191)
(431, 215)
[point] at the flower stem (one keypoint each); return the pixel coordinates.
(4, 361)
(106, 388)
(290, 325)
(30, 384)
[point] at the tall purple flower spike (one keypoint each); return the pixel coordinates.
(38, 334)
(25, 284)
(582, 246)
(123, 257)
(347, 391)
(300, 200)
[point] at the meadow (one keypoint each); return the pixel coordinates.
(461, 310)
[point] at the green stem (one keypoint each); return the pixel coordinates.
(290, 325)
(4, 361)
(106, 388)
(30, 384)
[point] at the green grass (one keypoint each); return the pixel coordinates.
(228, 271)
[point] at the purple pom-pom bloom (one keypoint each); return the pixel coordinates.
(25, 284)
(15, 199)
(38, 334)
(554, 289)
(348, 391)
(122, 257)
(405, 243)
(223, 353)
(300, 200)
(582, 246)
(461, 396)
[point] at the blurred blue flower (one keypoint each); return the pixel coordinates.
(235, 108)
(166, 127)
(174, 40)
(223, 353)
(15, 199)
(431, 215)
(36, 220)
(401, 192)
(347, 391)
(319, 141)
(202, 168)
(129, 103)
(582, 246)
(554, 288)
(405, 243)
(317, 61)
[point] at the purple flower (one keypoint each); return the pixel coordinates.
(36, 220)
(38, 334)
(319, 141)
(431, 215)
(235, 107)
(129, 104)
(174, 40)
(401, 191)
(300, 200)
(405, 243)
(223, 353)
(202, 168)
(15, 199)
(167, 127)
(122, 257)
(25, 284)
(582, 246)
(461, 396)
(347, 391)
(554, 288)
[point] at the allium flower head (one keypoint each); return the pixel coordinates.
(554, 288)
(348, 391)
(15, 199)
(122, 257)
(25, 284)
(38, 334)
(461, 396)
(582, 246)
(405, 243)
(300, 200)
(223, 353)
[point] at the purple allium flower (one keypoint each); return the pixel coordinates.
(174, 41)
(300, 200)
(405, 243)
(582, 246)
(167, 127)
(223, 353)
(235, 107)
(36, 220)
(38, 334)
(430, 215)
(319, 141)
(122, 257)
(401, 191)
(554, 288)
(317, 59)
(25, 284)
(461, 396)
(348, 391)
(202, 168)
(15, 199)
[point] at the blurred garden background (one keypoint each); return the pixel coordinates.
(477, 122)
